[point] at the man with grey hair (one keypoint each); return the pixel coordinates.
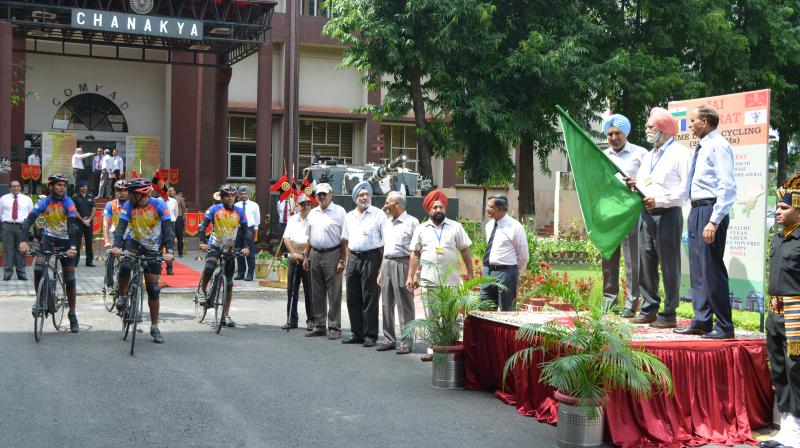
(253, 215)
(392, 277)
(78, 172)
(363, 230)
(506, 254)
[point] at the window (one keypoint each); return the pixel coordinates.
(242, 147)
(90, 112)
(327, 139)
(400, 139)
(314, 8)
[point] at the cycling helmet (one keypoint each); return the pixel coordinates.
(139, 185)
(120, 185)
(53, 178)
(227, 189)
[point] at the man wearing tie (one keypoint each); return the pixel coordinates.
(285, 211)
(712, 191)
(253, 215)
(506, 253)
(14, 208)
(33, 159)
(97, 171)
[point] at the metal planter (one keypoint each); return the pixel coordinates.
(575, 429)
(448, 367)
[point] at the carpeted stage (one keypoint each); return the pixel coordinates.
(722, 388)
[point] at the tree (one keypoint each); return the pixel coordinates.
(402, 47)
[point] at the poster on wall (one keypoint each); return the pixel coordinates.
(744, 121)
(143, 155)
(57, 151)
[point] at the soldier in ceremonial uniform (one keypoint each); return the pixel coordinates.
(783, 321)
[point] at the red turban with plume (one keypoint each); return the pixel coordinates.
(433, 196)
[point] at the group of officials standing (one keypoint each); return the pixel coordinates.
(386, 253)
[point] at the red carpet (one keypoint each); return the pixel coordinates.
(184, 277)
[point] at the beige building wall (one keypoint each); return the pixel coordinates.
(323, 84)
(244, 78)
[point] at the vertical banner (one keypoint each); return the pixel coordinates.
(142, 154)
(744, 121)
(57, 151)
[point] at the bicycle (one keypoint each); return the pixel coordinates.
(217, 298)
(131, 313)
(110, 292)
(51, 294)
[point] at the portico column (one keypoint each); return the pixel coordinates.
(6, 54)
(264, 127)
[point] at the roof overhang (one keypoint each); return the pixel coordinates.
(231, 30)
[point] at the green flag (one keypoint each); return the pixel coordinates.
(610, 209)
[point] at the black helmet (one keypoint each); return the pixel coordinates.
(53, 178)
(120, 185)
(139, 185)
(227, 189)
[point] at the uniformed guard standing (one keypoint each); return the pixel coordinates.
(783, 321)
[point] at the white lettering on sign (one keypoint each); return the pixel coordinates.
(114, 23)
(129, 23)
(98, 19)
(81, 18)
(132, 23)
(147, 26)
(180, 27)
(194, 30)
(162, 26)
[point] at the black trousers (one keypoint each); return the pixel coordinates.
(180, 224)
(12, 258)
(785, 369)
(296, 275)
(250, 265)
(86, 233)
(709, 277)
(660, 244)
(33, 186)
(363, 293)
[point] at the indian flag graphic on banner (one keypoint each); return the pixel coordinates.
(680, 115)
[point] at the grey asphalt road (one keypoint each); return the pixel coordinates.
(251, 386)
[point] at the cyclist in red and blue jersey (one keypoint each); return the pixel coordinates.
(229, 230)
(144, 223)
(110, 220)
(60, 234)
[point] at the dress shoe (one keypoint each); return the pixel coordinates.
(719, 334)
(288, 326)
(403, 350)
(315, 332)
(769, 444)
(248, 279)
(663, 324)
(239, 277)
(7, 277)
(426, 358)
(627, 314)
(310, 326)
(385, 347)
(690, 331)
(369, 342)
(90, 265)
(170, 272)
(334, 334)
(22, 277)
(352, 340)
(643, 320)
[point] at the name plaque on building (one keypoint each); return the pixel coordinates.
(118, 22)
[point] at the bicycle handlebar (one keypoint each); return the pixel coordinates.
(46, 253)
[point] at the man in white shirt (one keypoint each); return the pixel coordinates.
(34, 160)
(105, 176)
(506, 254)
(97, 171)
(295, 239)
(628, 158)
(662, 179)
(397, 235)
(117, 165)
(78, 173)
(253, 215)
(325, 258)
(284, 212)
(172, 205)
(363, 230)
(14, 209)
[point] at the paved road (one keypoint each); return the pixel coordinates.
(252, 386)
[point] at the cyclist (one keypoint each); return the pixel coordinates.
(143, 223)
(110, 221)
(229, 229)
(60, 233)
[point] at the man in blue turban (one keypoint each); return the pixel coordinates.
(363, 185)
(628, 158)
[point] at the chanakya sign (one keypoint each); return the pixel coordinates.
(89, 19)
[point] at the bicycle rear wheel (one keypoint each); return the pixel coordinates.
(135, 313)
(219, 303)
(39, 308)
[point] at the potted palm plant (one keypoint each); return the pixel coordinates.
(447, 306)
(586, 361)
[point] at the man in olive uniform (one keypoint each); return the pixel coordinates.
(783, 321)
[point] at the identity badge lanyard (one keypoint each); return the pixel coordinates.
(439, 248)
(654, 164)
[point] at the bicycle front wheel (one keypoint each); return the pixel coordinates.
(135, 313)
(219, 303)
(109, 292)
(60, 295)
(39, 308)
